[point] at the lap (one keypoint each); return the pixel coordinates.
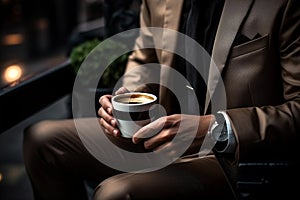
(193, 179)
(187, 179)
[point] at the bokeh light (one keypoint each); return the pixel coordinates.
(13, 39)
(13, 73)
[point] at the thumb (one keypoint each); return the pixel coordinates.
(121, 90)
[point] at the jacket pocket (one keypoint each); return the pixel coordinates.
(251, 46)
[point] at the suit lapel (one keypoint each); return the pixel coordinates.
(234, 13)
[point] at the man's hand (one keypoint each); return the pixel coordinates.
(107, 121)
(159, 134)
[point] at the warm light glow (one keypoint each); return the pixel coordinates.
(13, 39)
(5, 1)
(1, 177)
(12, 73)
(42, 24)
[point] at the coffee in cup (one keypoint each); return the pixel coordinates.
(133, 111)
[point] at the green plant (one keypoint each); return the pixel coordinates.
(105, 54)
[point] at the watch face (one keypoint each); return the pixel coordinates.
(223, 137)
(220, 133)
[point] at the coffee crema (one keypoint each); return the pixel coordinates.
(135, 99)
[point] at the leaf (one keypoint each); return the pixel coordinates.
(106, 54)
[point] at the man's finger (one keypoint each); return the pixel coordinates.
(149, 130)
(121, 90)
(105, 102)
(108, 128)
(107, 117)
(163, 137)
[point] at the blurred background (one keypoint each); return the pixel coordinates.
(35, 34)
(38, 35)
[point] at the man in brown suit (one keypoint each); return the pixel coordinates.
(256, 49)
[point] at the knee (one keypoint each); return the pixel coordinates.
(114, 188)
(35, 139)
(36, 134)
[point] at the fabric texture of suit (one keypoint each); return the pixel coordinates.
(257, 51)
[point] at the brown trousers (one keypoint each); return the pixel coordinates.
(58, 164)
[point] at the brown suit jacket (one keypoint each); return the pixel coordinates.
(261, 76)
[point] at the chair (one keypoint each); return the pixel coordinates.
(267, 180)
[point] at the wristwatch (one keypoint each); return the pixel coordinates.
(219, 132)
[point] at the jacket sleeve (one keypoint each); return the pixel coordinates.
(137, 72)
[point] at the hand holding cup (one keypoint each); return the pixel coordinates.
(132, 111)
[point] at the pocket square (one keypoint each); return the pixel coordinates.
(256, 36)
(240, 39)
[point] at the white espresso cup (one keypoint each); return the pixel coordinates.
(132, 111)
